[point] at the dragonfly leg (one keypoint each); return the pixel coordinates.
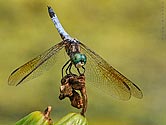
(78, 71)
(83, 69)
(69, 69)
(65, 66)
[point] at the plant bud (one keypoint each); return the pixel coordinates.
(36, 118)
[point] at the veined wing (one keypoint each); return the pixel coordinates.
(105, 77)
(36, 66)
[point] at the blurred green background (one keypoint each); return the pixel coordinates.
(127, 33)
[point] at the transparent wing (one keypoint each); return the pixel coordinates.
(105, 77)
(36, 66)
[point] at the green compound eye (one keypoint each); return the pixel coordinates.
(79, 60)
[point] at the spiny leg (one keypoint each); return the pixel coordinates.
(65, 66)
(69, 68)
(83, 69)
(78, 71)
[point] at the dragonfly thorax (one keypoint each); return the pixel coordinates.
(78, 59)
(72, 47)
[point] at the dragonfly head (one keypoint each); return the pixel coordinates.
(79, 60)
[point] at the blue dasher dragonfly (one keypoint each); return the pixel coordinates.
(97, 71)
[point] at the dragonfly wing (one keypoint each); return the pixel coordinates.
(36, 66)
(106, 78)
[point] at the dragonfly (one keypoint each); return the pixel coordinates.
(98, 72)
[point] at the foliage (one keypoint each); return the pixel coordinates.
(39, 118)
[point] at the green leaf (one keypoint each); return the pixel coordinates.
(72, 119)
